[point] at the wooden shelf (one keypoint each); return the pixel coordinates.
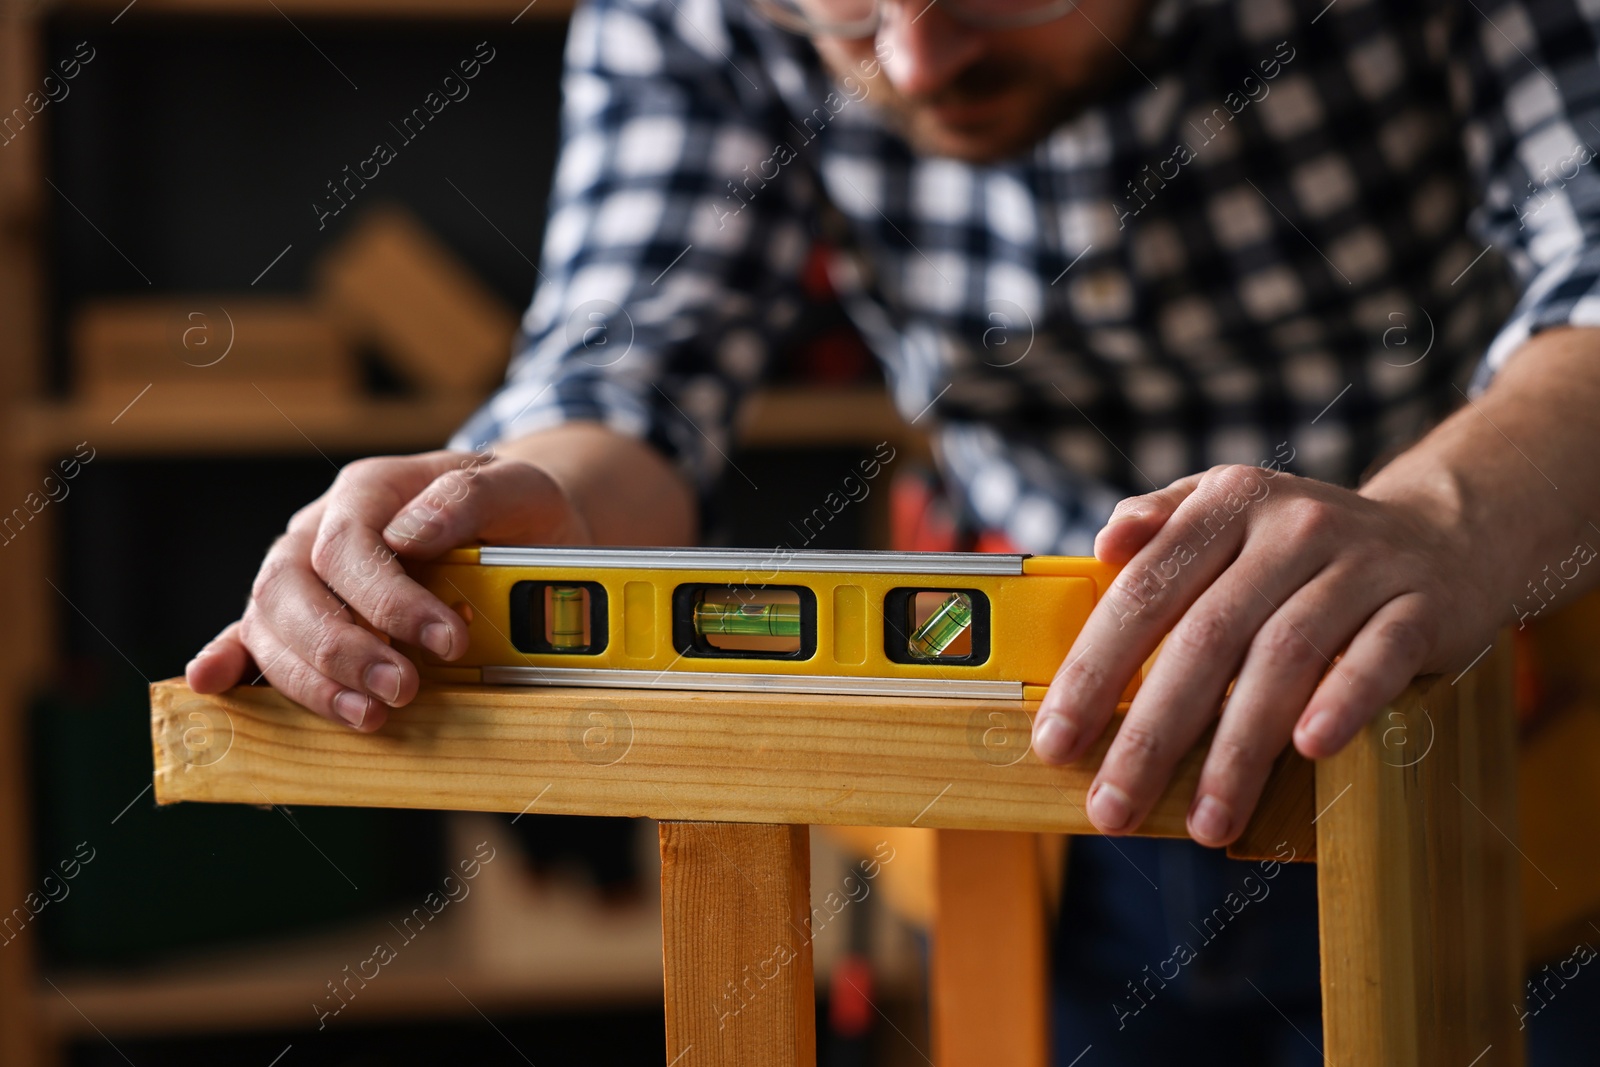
(248, 422)
(241, 422)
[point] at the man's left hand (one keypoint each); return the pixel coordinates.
(1321, 603)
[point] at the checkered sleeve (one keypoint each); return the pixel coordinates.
(665, 274)
(1526, 76)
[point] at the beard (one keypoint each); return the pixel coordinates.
(1002, 104)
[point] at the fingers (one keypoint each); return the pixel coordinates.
(1179, 699)
(221, 664)
(501, 503)
(304, 684)
(304, 614)
(340, 555)
(1287, 656)
(1380, 662)
(1142, 604)
(1272, 591)
(349, 554)
(1136, 519)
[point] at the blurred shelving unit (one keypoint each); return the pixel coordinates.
(253, 424)
(586, 955)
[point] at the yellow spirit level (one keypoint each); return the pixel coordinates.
(927, 624)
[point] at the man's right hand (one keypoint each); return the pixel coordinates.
(337, 565)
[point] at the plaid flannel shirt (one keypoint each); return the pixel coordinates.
(1289, 233)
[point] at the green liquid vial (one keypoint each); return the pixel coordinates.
(748, 620)
(948, 622)
(566, 617)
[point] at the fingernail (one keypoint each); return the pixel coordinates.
(383, 681)
(1320, 728)
(1127, 515)
(1109, 808)
(1053, 738)
(415, 525)
(1211, 819)
(438, 639)
(352, 706)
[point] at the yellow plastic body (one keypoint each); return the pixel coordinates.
(1034, 618)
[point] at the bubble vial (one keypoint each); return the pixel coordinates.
(943, 628)
(568, 615)
(747, 620)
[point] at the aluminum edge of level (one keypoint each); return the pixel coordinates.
(835, 685)
(721, 559)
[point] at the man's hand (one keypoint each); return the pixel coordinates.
(338, 565)
(1322, 603)
(339, 560)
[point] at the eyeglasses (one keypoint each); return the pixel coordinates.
(862, 18)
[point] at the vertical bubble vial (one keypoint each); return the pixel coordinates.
(567, 608)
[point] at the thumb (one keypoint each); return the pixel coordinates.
(1136, 519)
(499, 502)
(223, 663)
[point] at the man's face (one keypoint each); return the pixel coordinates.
(985, 95)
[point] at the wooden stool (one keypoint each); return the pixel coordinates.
(1411, 828)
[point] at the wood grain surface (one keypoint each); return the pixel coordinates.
(1417, 879)
(990, 978)
(736, 944)
(768, 758)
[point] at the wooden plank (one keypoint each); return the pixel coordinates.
(1559, 780)
(1558, 798)
(242, 421)
(21, 1037)
(245, 422)
(769, 758)
(990, 972)
(1288, 821)
(24, 210)
(29, 622)
(1492, 863)
(22, 206)
(736, 944)
(202, 349)
(1418, 880)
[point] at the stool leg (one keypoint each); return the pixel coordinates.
(990, 953)
(1418, 880)
(735, 911)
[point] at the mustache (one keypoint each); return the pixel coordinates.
(979, 82)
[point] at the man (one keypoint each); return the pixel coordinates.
(1099, 247)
